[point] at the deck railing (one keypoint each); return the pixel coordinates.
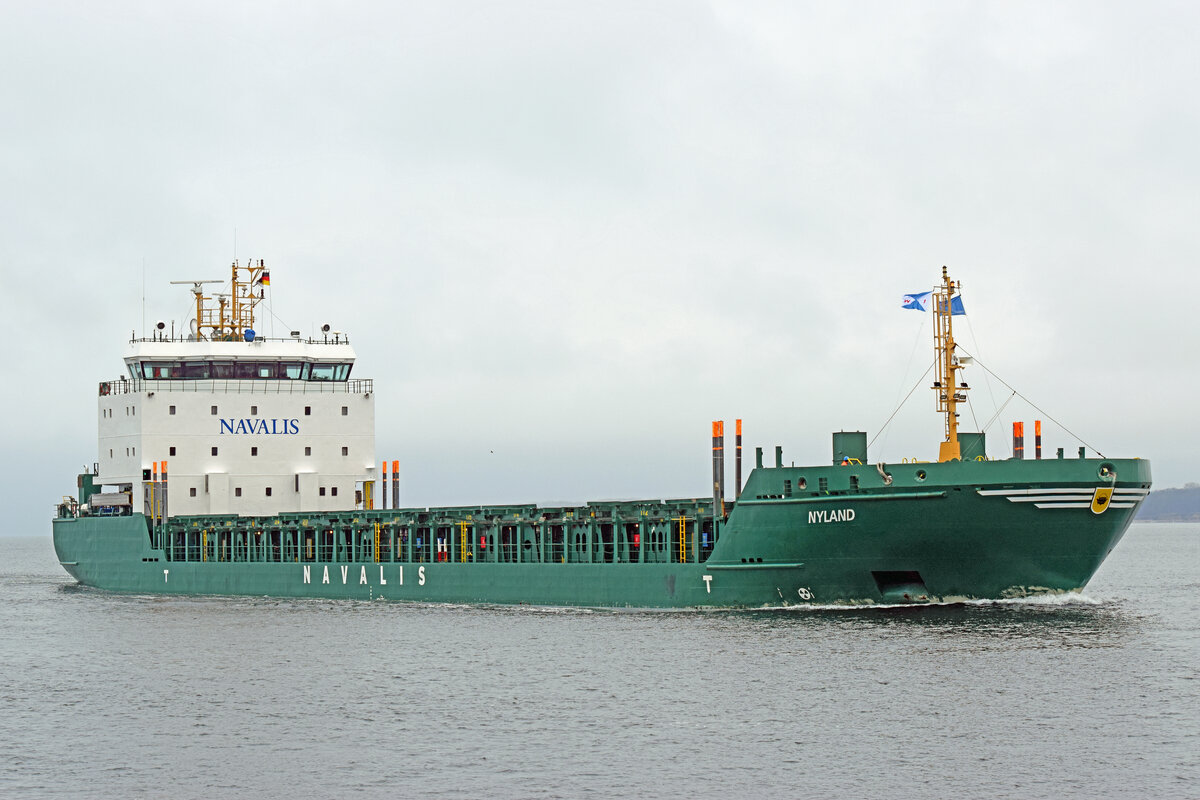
(660, 532)
(237, 386)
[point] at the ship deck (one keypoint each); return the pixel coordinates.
(652, 531)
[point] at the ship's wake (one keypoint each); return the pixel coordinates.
(1039, 601)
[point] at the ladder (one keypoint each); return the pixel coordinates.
(682, 520)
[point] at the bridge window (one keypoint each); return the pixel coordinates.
(196, 370)
(329, 372)
(308, 452)
(172, 451)
(214, 451)
(240, 370)
(171, 411)
(156, 370)
(252, 370)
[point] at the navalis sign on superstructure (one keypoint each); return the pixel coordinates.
(273, 490)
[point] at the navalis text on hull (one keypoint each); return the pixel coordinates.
(231, 463)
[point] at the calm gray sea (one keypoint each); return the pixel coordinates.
(117, 696)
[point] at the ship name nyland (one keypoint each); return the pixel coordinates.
(831, 515)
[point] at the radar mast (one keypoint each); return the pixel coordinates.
(234, 313)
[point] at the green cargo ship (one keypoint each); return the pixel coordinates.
(272, 490)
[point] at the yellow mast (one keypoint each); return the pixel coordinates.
(950, 391)
(240, 303)
(200, 298)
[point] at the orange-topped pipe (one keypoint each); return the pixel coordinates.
(396, 484)
(716, 472)
(721, 465)
(737, 492)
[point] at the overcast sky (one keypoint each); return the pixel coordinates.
(565, 237)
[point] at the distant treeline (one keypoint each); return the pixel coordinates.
(1172, 505)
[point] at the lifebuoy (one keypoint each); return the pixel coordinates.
(103, 389)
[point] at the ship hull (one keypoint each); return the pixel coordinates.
(959, 531)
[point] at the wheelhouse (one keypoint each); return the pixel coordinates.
(239, 369)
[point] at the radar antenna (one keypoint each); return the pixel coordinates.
(198, 290)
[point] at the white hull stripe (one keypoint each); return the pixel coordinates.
(1064, 505)
(1067, 498)
(1050, 498)
(1087, 504)
(1007, 492)
(1077, 491)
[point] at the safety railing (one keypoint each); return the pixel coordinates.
(235, 386)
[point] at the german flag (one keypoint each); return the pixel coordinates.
(264, 278)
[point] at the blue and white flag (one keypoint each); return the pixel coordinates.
(922, 300)
(918, 302)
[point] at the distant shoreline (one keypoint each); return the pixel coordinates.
(1172, 505)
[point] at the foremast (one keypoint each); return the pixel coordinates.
(950, 391)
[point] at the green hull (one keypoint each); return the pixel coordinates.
(857, 535)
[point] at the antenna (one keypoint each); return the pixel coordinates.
(198, 291)
(195, 285)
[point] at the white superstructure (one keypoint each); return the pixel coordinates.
(245, 425)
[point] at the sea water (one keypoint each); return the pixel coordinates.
(1093, 695)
